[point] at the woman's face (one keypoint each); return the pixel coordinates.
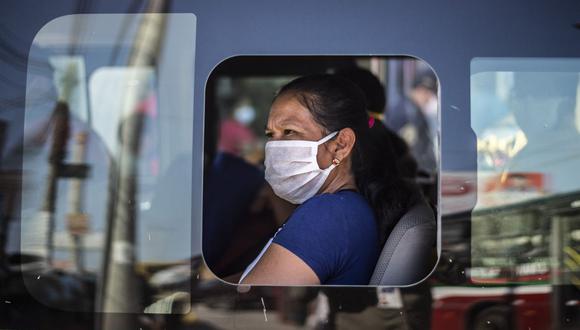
(290, 120)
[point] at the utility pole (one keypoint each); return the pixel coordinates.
(77, 221)
(60, 123)
(57, 168)
(121, 291)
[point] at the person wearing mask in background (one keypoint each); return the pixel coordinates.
(235, 135)
(231, 186)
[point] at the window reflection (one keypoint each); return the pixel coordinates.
(525, 223)
(106, 199)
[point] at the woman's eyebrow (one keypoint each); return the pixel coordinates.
(290, 122)
(286, 122)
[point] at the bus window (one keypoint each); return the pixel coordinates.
(525, 224)
(244, 213)
(107, 190)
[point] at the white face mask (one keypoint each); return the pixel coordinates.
(245, 114)
(292, 169)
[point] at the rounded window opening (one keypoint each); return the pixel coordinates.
(321, 170)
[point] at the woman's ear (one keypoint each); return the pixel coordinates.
(344, 142)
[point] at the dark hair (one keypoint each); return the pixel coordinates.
(336, 103)
(370, 85)
(374, 93)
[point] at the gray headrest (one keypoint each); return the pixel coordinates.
(407, 256)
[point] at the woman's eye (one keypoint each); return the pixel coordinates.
(288, 132)
(269, 135)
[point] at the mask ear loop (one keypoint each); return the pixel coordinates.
(335, 161)
(326, 138)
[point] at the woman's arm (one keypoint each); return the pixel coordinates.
(279, 266)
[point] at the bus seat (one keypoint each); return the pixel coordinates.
(407, 256)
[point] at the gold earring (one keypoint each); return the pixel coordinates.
(336, 162)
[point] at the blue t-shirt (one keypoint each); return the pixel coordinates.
(336, 235)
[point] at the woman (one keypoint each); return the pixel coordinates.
(320, 156)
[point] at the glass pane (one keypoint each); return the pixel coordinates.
(106, 199)
(526, 117)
